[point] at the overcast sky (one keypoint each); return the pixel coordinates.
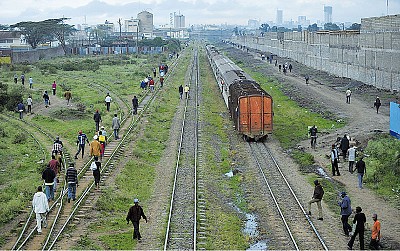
(195, 11)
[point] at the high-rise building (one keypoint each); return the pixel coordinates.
(302, 20)
(146, 24)
(132, 25)
(279, 16)
(179, 21)
(328, 14)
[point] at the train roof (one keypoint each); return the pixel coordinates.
(246, 87)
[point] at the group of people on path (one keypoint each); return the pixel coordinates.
(377, 103)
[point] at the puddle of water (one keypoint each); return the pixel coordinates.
(251, 226)
(260, 245)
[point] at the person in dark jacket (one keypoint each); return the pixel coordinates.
(360, 219)
(48, 175)
(97, 119)
(345, 212)
(21, 109)
(344, 146)
(72, 180)
(134, 214)
(317, 197)
(361, 169)
(96, 167)
(377, 104)
(135, 104)
(180, 89)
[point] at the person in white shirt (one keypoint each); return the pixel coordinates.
(348, 95)
(40, 206)
(352, 157)
(29, 103)
(108, 100)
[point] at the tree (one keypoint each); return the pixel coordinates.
(354, 26)
(313, 28)
(274, 28)
(331, 27)
(59, 30)
(32, 32)
(265, 27)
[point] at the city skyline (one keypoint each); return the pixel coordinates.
(235, 12)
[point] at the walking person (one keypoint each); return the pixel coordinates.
(82, 138)
(352, 157)
(344, 146)
(15, 78)
(334, 161)
(108, 100)
(359, 220)
(180, 89)
(290, 68)
(30, 82)
(348, 95)
(161, 81)
(135, 104)
(135, 213)
(29, 102)
(307, 78)
(21, 109)
(377, 104)
(40, 206)
(151, 84)
(72, 179)
(48, 176)
(317, 197)
(46, 99)
(345, 212)
(186, 90)
(361, 170)
(313, 135)
(97, 120)
(54, 87)
(115, 126)
(55, 166)
(95, 147)
(96, 167)
(58, 146)
(375, 233)
(68, 96)
(23, 79)
(154, 72)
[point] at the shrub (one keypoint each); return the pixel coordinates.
(20, 138)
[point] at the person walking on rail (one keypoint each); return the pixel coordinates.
(359, 220)
(81, 143)
(46, 99)
(180, 89)
(376, 233)
(29, 102)
(345, 212)
(48, 176)
(108, 100)
(96, 167)
(97, 120)
(23, 79)
(317, 197)
(135, 213)
(21, 109)
(115, 126)
(55, 166)
(348, 95)
(135, 104)
(334, 161)
(186, 90)
(95, 147)
(361, 170)
(40, 206)
(58, 146)
(72, 179)
(313, 134)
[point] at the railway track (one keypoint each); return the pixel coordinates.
(72, 212)
(181, 231)
(294, 230)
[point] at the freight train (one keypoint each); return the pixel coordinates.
(250, 107)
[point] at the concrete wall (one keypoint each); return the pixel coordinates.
(36, 55)
(373, 58)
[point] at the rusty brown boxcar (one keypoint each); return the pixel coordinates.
(251, 107)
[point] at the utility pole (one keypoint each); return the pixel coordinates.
(137, 39)
(120, 35)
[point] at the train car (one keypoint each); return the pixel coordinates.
(250, 107)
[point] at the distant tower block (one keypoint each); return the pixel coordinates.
(328, 14)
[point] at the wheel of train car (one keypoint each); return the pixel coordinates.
(246, 138)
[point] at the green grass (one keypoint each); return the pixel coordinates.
(226, 232)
